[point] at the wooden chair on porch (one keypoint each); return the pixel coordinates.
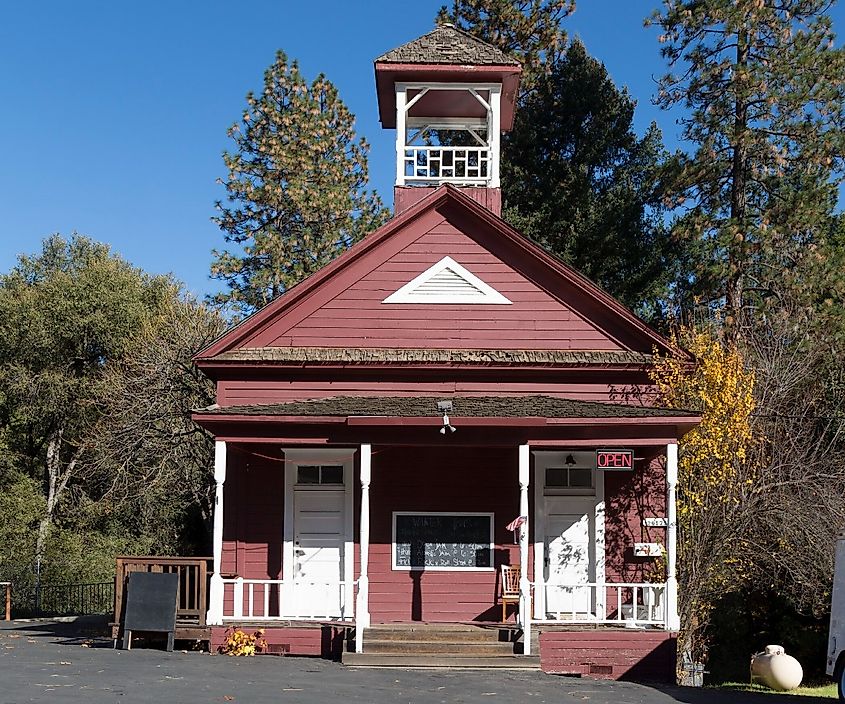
(510, 588)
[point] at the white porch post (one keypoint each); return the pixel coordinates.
(673, 620)
(495, 134)
(214, 616)
(362, 606)
(524, 582)
(401, 100)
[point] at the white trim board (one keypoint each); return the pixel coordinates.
(447, 282)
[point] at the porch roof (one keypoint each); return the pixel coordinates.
(538, 406)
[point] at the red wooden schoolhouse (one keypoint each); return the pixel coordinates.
(439, 444)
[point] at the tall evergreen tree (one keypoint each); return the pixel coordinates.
(296, 187)
(575, 176)
(528, 30)
(764, 90)
(578, 180)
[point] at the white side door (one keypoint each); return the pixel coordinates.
(568, 561)
(318, 553)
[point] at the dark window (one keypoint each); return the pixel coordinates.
(308, 475)
(569, 478)
(319, 474)
(331, 474)
(581, 478)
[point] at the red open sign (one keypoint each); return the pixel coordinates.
(615, 460)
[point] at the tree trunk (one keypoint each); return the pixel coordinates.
(736, 248)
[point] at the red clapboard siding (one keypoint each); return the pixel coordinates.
(630, 497)
(406, 196)
(356, 316)
(634, 655)
(439, 479)
(253, 515)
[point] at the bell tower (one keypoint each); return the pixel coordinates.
(449, 96)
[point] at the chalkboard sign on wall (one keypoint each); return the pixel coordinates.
(442, 541)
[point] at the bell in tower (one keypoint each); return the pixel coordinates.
(449, 96)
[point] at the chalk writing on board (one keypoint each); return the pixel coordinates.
(443, 541)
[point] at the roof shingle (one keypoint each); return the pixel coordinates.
(360, 355)
(463, 406)
(447, 45)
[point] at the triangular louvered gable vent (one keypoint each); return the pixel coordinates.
(447, 282)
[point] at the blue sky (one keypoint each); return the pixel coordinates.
(113, 115)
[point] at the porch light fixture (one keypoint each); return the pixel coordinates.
(570, 461)
(445, 407)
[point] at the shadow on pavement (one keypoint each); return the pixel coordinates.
(89, 630)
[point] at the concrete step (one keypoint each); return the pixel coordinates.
(438, 647)
(510, 662)
(451, 634)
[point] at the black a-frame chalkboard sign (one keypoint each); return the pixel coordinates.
(151, 602)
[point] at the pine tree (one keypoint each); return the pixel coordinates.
(575, 176)
(528, 30)
(296, 188)
(763, 89)
(578, 180)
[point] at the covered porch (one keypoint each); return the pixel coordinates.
(349, 513)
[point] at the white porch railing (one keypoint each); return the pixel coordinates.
(281, 600)
(437, 164)
(620, 603)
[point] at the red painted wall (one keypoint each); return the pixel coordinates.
(406, 196)
(439, 479)
(253, 515)
(640, 656)
(356, 316)
(630, 497)
(319, 640)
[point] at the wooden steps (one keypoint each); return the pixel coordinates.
(441, 645)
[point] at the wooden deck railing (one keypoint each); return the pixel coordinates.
(193, 583)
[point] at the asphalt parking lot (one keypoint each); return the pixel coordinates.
(70, 662)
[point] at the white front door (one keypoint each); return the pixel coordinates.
(318, 552)
(568, 559)
(318, 549)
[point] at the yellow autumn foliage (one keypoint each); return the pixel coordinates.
(713, 462)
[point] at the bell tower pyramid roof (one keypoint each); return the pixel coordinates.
(446, 44)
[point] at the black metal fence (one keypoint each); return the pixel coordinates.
(73, 599)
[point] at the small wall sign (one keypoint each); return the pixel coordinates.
(648, 549)
(655, 522)
(615, 460)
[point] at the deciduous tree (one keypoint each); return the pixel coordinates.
(64, 315)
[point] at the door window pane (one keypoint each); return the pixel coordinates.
(331, 474)
(308, 474)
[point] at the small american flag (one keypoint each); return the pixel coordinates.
(516, 522)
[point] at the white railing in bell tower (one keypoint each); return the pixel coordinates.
(433, 164)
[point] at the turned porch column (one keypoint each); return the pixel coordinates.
(215, 591)
(362, 605)
(524, 582)
(673, 620)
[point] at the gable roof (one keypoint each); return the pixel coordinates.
(557, 277)
(446, 44)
